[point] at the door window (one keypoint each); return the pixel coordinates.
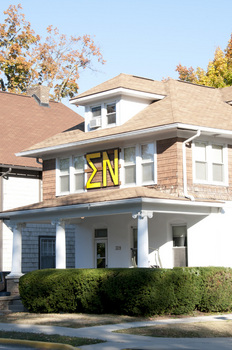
(101, 248)
(47, 252)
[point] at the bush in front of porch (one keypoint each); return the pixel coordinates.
(135, 292)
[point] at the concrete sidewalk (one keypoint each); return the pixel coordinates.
(116, 341)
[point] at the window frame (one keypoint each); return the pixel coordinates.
(51, 238)
(72, 172)
(210, 162)
(110, 114)
(138, 165)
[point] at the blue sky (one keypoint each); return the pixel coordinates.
(146, 38)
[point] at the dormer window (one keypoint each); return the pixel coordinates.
(96, 111)
(95, 121)
(111, 113)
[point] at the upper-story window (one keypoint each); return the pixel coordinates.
(210, 163)
(103, 115)
(96, 111)
(71, 174)
(79, 173)
(64, 174)
(139, 164)
(111, 113)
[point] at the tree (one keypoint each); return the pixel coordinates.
(26, 60)
(218, 73)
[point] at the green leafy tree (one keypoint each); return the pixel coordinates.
(26, 60)
(218, 73)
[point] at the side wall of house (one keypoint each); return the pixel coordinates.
(49, 179)
(30, 245)
(16, 192)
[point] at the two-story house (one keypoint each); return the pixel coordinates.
(26, 120)
(147, 183)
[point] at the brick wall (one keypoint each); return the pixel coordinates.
(49, 179)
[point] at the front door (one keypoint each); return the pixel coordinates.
(101, 253)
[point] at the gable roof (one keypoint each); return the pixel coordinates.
(127, 82)
(24, 122)
(184, 103)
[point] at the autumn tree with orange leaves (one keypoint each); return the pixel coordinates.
(26, 60)
(218, 73)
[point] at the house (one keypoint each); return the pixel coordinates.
(26, 120)
(147, 183)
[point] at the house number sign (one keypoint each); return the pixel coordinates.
(103, 169)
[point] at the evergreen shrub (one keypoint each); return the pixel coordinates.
(137, 292)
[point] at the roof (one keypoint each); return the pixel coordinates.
(127, 82)
(24, 122)
(103, 196)
(184, 103)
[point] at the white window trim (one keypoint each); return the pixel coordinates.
(103, 115)
(209, 162)
(138, 166)
(71, 176)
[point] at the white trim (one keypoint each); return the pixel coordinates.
(209, 163)
(121, 202)
(123, 135)
(82, 101)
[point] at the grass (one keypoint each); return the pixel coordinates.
(184, 330)
(54, 338)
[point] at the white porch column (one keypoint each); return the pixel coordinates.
(16, 268)
(143, 245)
(60, 244)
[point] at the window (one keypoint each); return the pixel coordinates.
(71, 175)
(111, 113)
(47, 252)
(64, 175)
(129, 165)
(179, 236)
(96, 111)
(79, 173)
(139, 164)
(210, 164)
(101, 248)
(147, 159)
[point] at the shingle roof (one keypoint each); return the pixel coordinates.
(24, 122)
(100, 196)
(184, 103)
(128, 82)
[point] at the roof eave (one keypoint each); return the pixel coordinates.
(82, 101)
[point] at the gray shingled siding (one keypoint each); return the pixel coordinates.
(30, 245)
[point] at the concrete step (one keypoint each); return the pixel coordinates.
(11, 304)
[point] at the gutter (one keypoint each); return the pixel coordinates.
(184, 165)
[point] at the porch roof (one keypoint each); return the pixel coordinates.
(124, 199)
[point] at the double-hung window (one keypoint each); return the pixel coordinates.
(129, 165)
(96, 111)
(64, 183)
(71, 174)
(210, 163)
(79, 173)
(139, 164)
(147, 162)
(111, 113)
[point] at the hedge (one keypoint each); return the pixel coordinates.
(137, 292)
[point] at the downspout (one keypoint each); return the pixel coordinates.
(40, 182)
(184, 165)
(6, 174)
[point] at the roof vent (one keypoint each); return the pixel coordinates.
(40, 94)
